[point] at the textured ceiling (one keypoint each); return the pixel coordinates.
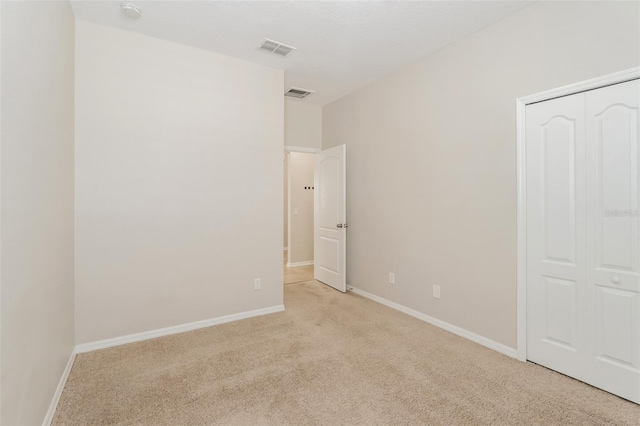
(342, 45)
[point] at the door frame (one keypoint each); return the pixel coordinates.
(290, 148)
(521, 103)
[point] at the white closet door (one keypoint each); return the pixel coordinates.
(583, 255)
(556, 234)
(613, 257)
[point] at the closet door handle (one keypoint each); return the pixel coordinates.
(339, 225)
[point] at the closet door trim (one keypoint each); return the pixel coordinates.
(521, 103)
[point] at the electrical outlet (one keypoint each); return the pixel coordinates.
(257, 284)
(392, 278)
(436, 291)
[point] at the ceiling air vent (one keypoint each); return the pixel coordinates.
(296, 92)
(275, 47)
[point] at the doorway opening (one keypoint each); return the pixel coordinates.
(298, 236)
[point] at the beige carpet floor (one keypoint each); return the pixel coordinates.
(329, 359)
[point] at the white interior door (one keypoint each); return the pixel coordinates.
(583, 282)
(330, 228)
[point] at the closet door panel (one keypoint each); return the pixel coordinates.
(555, 233)
(613, 240)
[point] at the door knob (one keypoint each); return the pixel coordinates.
(339, 225)
(615, 279)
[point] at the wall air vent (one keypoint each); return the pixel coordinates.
(296, 92)
(275, 47)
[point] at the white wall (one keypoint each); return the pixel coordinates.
(301, 167)
(303, 124)
(432, 158)
(37, 205)
(178, 184)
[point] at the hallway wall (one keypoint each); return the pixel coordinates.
(301, 167)
(302, 124)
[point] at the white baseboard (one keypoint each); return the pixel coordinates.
(491, 344)
(296, 264)
(130, 338)
(58, 393)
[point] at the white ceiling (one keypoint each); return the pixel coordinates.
(342, 45)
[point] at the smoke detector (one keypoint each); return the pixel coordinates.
(296, 92)
(131, 10)
(275, 47)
